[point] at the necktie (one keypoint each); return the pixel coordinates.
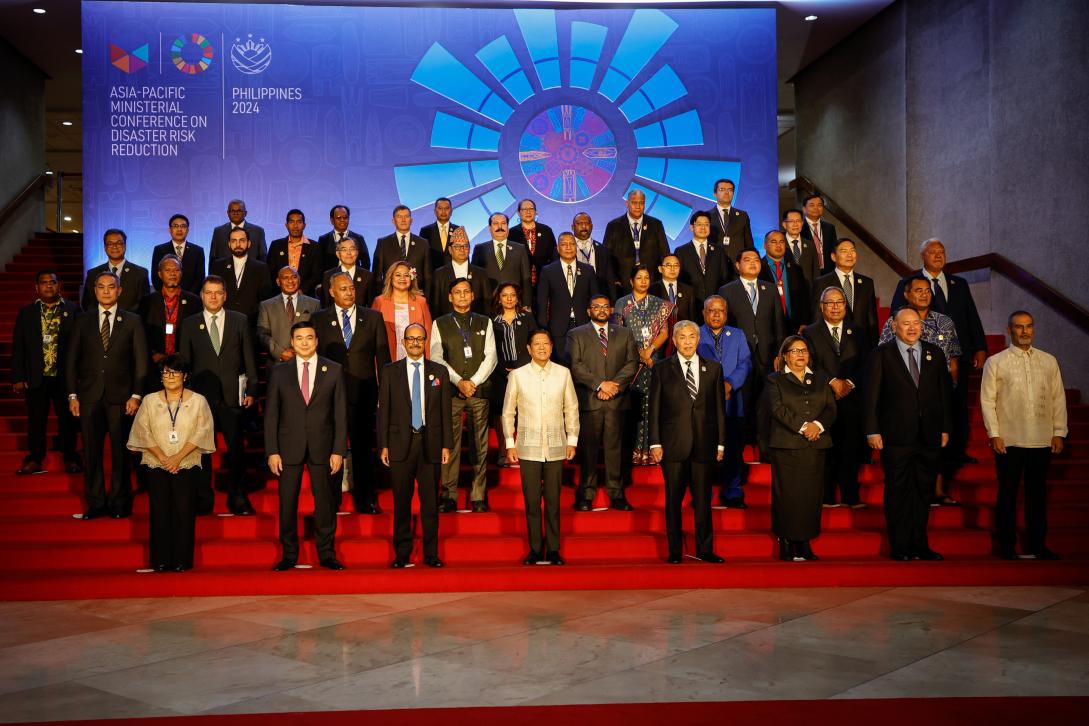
(725, 220)
(672, 294)
(104, 331)
(849, 292)
(347, 329)
(404, 247)
(306, 382)
(290, 310)
(500, 255)
(752, 296)
(442, 236)
(635, 239)
(213, 333)
(703, 256)
(835, 338)
(782, 287)
(797, 251)
(417, 398)
(604, 338)
(570, 281)
(817, 241)
(115, 270)
(179, 250)
(690, 379)
(913, 366)
(939, 295)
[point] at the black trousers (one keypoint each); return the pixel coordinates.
(403, 475)
(96, 420)
(600, 428)
(910, 473)
(325, 517)
(230, 422)
(51, 391)
(361, 419)
(172, 515)
(696, 476)
(542, 478)
(1032, 464)
(842, 462)
(958, 437)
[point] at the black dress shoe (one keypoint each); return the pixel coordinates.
(29, 467)
(532, 558)
(481, 506)
(786, 550)
(284, 564)
(900, 558)
(398, 564)
(968, 459)
(674, 559)
(371, 508)
(621, 504)
(332, 564)
(583, 505)
(1008, 554)
(241, 506)
(446, 506)
(161, 568)
(432, 561)
(710, 557)
(73, 467)
(806, 552)
(554, 558)
(1045, 554)
(928, 554)
(735, 503)
(182, 568)
(95, 513)
(121, 513)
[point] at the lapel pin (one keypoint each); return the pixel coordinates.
(324, 369)
(202, 326)
(849, 331)
(727, 333)
(331, 322)
(941, 337)
(430, 376)
(680, 294)
(281, 253)
(468, 276)
(928, 357)
(118, 319)
(66, 313)
(808, 381)
(703, 368)
(183, 303)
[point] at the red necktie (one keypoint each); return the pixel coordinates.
(306, 383)
(779, 282)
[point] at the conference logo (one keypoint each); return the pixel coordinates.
(129, 62)
(251, 57)
(192, 54)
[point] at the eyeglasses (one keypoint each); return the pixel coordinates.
(797, 351)
(834, 303)
(416, 339)
(600, 307)
(179, 225)
(172, 374)
(118, 243)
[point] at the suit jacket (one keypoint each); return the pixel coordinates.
(216, 376)
(388, 250)
(557, 309)
(430, 232)
(717, 271)
(732, 353)
(801, 312)
(515, 268)
(111, 375)
(439, 299)
(395, 410)
(544, 251)
(328, 245)
(255, 287)
(367, 355)
(134, 286)
(27, 358)
(828, 242)
(589, 368)
(960, 306)
(739, 230)
(848, 364)
(309, 264)
(863, 314)
(685, 308)
(903, 414)
(605, 271)
(809, 264)
(221, 236)
(791, 403)
(273, 327)
(364, 285)
(764, 329)
(301, 432)
(152, 311)
(653, 245)
(192, 266)
(687, 429)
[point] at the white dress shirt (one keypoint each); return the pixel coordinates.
(1022, 398)
(461, 269)
(587, 253)
(238, 264)
(486, 366)
(221, 318)
(942, 283)
(542, 401)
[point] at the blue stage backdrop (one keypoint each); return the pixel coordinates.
(186, 106)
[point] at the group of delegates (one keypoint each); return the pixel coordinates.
(573, 349)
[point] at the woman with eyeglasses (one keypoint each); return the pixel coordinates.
(800, 408)
(172, 429)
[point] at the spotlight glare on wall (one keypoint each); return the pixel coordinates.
(79, 51)
(66, 123)
(39, 11)
(810, 18)
(67, 218)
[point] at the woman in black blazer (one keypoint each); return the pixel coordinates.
(512, 327)
(801, 408)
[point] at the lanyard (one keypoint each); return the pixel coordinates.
(173, 413)
(465, 336)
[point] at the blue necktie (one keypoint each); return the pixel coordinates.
(417, 399)
(347, 330)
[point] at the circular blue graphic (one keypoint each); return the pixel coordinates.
(567, 153)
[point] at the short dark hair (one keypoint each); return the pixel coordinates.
(302, 324)
(674, 255)
(1015, 313)
(287, 217)
(493, 215)
(811, 196)
(719, 181)
(107, 273)
(565, 233)
(179, 216)
(414, 325)
(443, 199)
(640, 267)
(770, 232)
(175, 362)
(523, 201)
(540, 331)
(792, 210)
(697, 215)
(457, 281)
(913, 277)
(45, 271)
(335, 207)
(742, 251)
(239, 229)
(400, 208)
(600, 296)
(115, 230)
(215, 280)
(841, 240)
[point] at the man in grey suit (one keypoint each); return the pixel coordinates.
(277, 314)
(503, 260)
(221, 235)
(604, 360)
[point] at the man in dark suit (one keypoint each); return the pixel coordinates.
(277, 314)
(247, 280)
(670, 287)
(564, 290)
(132, 278)
(298, 252)
(339, 217)
(596, 255)
(39, 346)
(604, 360)
(163, 311)
(236, 219)
(821, 233)
(537, 237)
(503, 260)
(438, 233)
(635, 237)
(403, 245)
(219, 348)
(730, 226)
(458, 267)
(105, 368)
(838, 350)
(908, 417)
(858, 289)
(704, 263)
(415, 437)
(952, 296)
(306, 426)
(190, 255)
(799, 248)
(688, 435)
(347, 261)
(779, 269)
(354, 336)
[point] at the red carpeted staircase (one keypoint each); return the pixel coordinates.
(46, 553)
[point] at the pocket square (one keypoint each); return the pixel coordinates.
(435, 383)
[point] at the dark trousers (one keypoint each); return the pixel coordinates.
(696, 476)
(172, 515)
(415, 469)
(96, 420)
(1032, 464)
(842, 463)
(325, 517)
(958, 437)
(51, 391)
(732, 467)
(542, 478)
(477, 410)
(229, 422)
(600, 428)
(910, 472)
(361, 439)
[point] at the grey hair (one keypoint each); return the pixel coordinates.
(682, 324)
(927, 242)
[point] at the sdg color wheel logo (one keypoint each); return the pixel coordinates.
(566, 150)
(192, 54)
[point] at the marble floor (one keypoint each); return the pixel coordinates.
(157, 657)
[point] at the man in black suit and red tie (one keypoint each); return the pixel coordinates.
(705, 264)
(415, 436)
(821, 233)
(163, 311)
(339, 217)
(635, 237)
(537, 237)
(688, 436)
(306, 426)
(908, 418)
(190, 255)
(131, 277)
(105, 368)
(247, 280)
(439, 233)
(296, 251)
(596, 255)
(730, 226)
(236, 219)
(402, 245)
(564, 289)
(857, 289)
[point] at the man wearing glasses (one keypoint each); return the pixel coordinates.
(190, 255)
(330, 242)
(133, 278)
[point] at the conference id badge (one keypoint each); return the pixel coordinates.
(468, 350)
(47, 339)
(646, 333)
(173, 437)
(170, 328)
